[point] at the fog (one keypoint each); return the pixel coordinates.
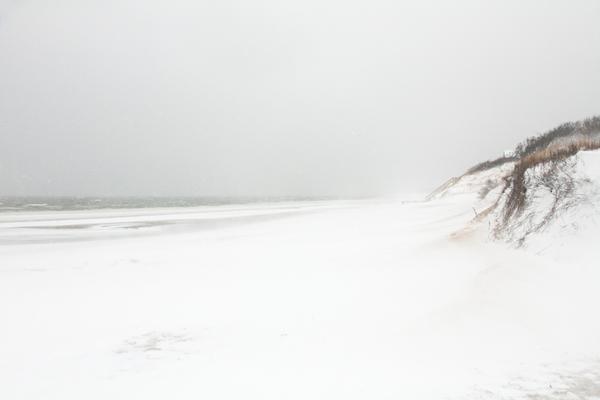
(272, 98)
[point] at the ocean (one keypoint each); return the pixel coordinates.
(70, 203)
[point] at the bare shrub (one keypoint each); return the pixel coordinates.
(587, 127)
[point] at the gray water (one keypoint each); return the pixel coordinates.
(41, 203)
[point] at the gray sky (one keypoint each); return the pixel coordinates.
(272, 97)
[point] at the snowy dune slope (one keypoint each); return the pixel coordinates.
(545, 197)
(562, 202)
(377, 300)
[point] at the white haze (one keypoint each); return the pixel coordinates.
(281, 98)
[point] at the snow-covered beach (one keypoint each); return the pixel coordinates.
(370, 299)
(299, 200)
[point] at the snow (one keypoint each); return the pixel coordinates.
(330, 300)
(577, 229)
(560, 212)
(475, 184)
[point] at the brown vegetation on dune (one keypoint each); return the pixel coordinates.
(580, 132)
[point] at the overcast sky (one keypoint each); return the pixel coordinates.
(272, 97)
